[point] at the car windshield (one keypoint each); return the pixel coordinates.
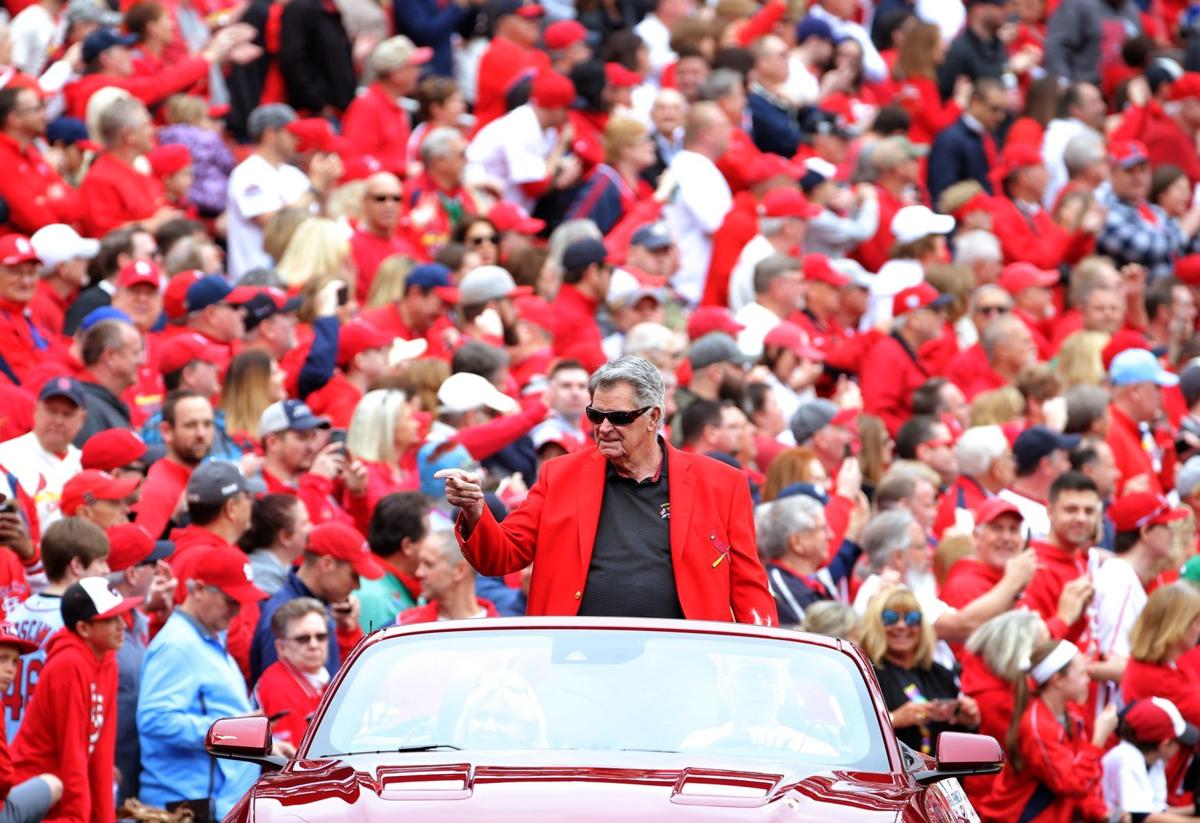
(605, 689)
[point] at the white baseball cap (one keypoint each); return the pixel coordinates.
(912, 223)
(57, 243)
(464, 391)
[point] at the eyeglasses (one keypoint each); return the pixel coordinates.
(305, 639)
(985, 310)
(385, 198)
(479, 240)
(617, 418)
(891, 617)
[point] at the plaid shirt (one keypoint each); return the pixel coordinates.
(1129, 237)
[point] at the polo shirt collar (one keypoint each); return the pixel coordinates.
(610, 471)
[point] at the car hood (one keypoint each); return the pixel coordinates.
(570, 785)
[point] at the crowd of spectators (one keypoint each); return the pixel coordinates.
(926, 273)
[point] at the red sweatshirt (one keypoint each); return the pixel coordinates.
(70, 729)
(165, 484)
(996, 700)
(1056, 568)
(320, 497)
(1068, 766)
(284, 688)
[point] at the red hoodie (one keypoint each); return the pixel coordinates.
(996, 700)
(70, 729)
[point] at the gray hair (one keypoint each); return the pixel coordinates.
(996, 332)
(439, 142)
(448, 543)
(775, 522)
(831, 618)
(978, 448)
(1005, 642)
(567, 233)
(270, 116)
(1085, 405)
(1081, 151)
(886, 533)
(983, 291)
(118, 117)
(771, 268)
(976, 246)
(638, 373)
(719, 83)
(648, 337)
(262, 276)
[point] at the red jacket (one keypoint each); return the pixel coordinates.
(335, 400)
(429, 612)
(165, 483)
(1056, 568)
(175, 78)
(1130, 455)
(70, 729)
(968, 579)
(964, 493)
(283, 688)
(370, 250)
(388, 319)
(22, 344)
(577, 334)
(114, 193)
(376, 125)
(501, 66)
(35, 193)
(320, 497)
(996, 699)
(919, 96)
(1176, 683)
(875, 252)
(739, 228)
(717, 572)
(966, 366)
(1067, 766)
(1036, 239)
(889, 376)
(49, 308)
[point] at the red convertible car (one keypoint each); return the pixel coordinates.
(602, 719)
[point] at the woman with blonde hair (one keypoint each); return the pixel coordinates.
(319, 246)
(421, 380)
(997, 407)
(796, 465)
(876, 449)
(253, 381)
(1079, 361)
(382, 435)
(1167, 628)
(616, 186)
(387, 286)
(280, 228)
(922, 696)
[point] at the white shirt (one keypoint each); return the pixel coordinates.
(1037, 518)
(1128, 785)
(34, 34)
(1054, 142)
(512, 150)
(42, 474)
(758, 320)
(893, 278)
(697, 210)
(257, 188)
(35, 619)
(657, 37)
(1118, 601)
(741, 279)
(948, 15)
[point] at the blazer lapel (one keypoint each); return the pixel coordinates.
(682, 487)
(591, 495)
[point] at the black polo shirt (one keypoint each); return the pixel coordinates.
(631, 573)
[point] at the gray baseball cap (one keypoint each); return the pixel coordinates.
(484, 283)
(215, 482)
(1189, 477)
(811, 417)
(716, 348)
(270, 116)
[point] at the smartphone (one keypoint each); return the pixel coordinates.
(343, 294)
(338, 436)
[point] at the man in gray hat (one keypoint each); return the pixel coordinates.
(1187, 485)
(219, 502)
(827, 430)
(718, 373)
(485, 305)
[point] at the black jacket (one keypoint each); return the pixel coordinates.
(957, 154)
(315, 57)
(104, 411)
(972, 57)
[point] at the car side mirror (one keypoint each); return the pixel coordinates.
(243, 738)
(963, 755)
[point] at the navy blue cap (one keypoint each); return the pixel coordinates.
(66, 130)
(584, 252)
(101, 40)
(206, 291)
(67, 387)
(807, 490)
(652, 236)
(813, 27)
(433, 276)
(1037, 442)
(101, 314)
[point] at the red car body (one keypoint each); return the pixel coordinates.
(585, 785)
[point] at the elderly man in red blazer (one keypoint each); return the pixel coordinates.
(632, 528)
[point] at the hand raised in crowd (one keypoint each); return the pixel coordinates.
(859, 515)
(849, 479)
(962, 91)
(346, 614)
(1106, 724)
(967, 712)
(327, 298)
(1074, 599)
(1020, 569)
(324, 170)
(330, 461)
(463, 490)
(355, 478)
(160, 597)
(15, 535)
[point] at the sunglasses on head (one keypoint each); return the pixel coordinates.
(891, 617)
(617, 418)
(479, 240)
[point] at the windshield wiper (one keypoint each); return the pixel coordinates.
(428, 747)
(659, 751)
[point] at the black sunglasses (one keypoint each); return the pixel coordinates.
(993, 310)
(617, 418)
(484, 238)
(386, 198)
(305, 639)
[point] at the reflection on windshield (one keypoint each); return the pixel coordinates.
(593, 689)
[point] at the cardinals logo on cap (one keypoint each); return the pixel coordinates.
(912, 301)
(24, 246)
(249, 572)
(63, 384)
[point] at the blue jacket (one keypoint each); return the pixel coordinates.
(431, 23)
(188, 682)
(773, 128)
(794, 593)
(262, 650)
(957, 154)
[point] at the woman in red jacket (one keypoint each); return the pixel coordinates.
(991, 668)
(289, 690)
(1054, 770)
(382, 434)
(916, 83)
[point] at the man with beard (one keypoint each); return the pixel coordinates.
(718, 373)
(485, 306)
(187, 432)
(190, 363)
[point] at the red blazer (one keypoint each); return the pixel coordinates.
(717, 572)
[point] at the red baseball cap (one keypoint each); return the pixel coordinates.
(620, 77)
(1017, 156)
(315, 134)
(506, 216)
(229, 570)
(175, 295)
(130, 544)
(920, 296)
(112, 449)
(1158, 720)
(91, 485)
(534, 309)
(182, 349)
(358, 336)
(818, 269)
(1017, 277)
(16, 249)
(139, 273)
(980, 202)
(563, 33)
(167, 159)
(794, 338)
(522, 8)
(708, 319)
(1127, 153)
(1137, 509)
(94, 598)
(787, 202)
(9, 637)
(1188, 85)
(1187, 269)
(1122, 340)
(762, 167)
(993, 507)
(343, 542)
(552, 90)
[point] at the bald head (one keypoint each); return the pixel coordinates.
(706, 130)
(381, 203)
